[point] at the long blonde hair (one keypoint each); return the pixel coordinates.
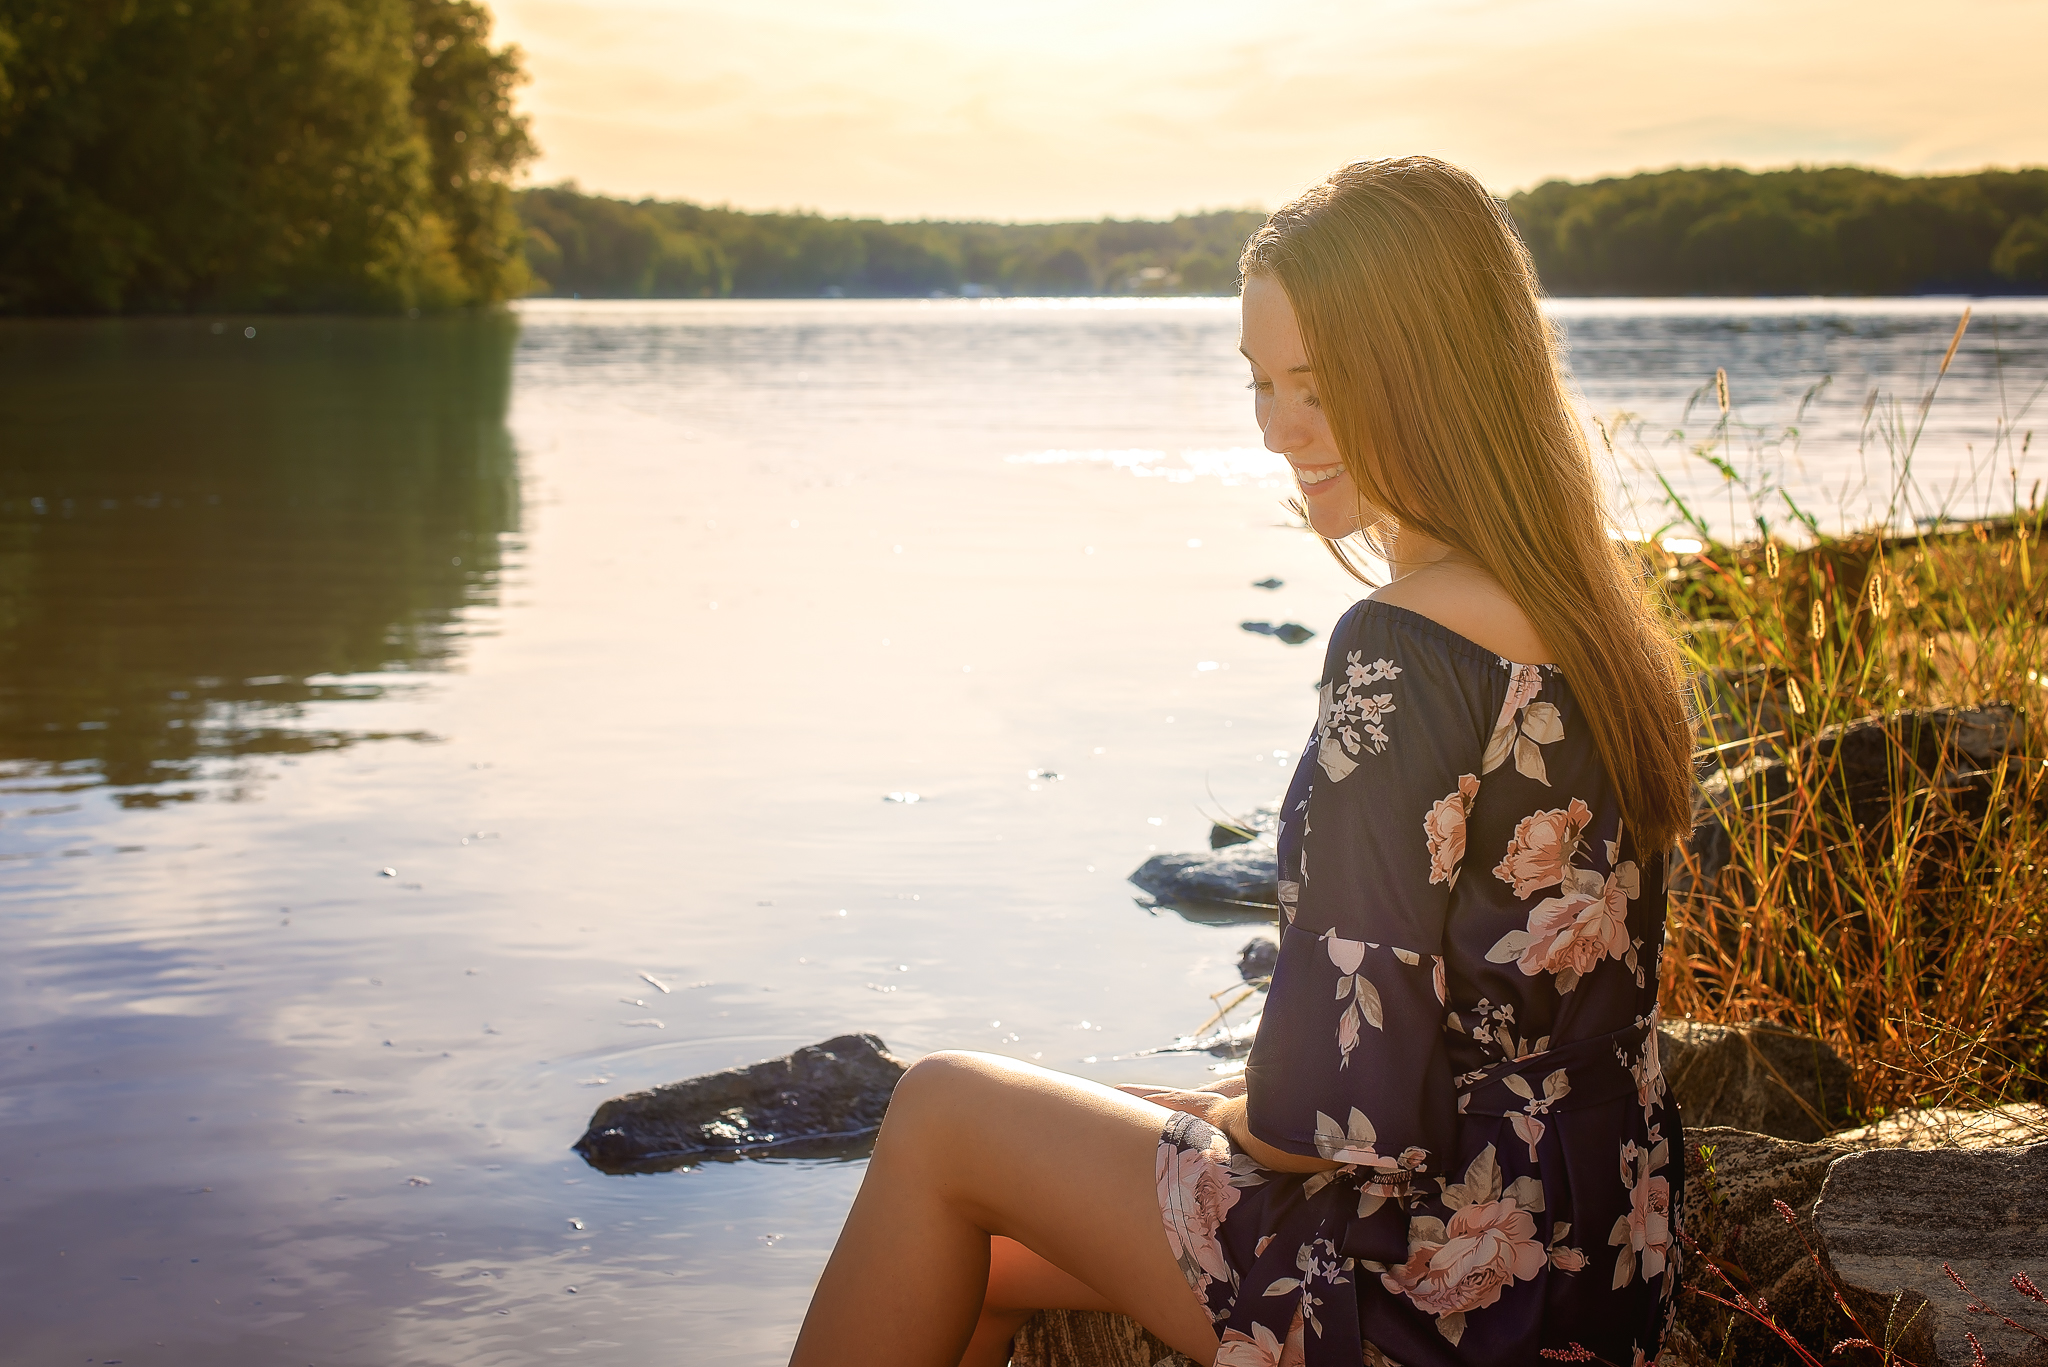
(1441, 378)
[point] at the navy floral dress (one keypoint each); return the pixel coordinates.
(1464, 1014)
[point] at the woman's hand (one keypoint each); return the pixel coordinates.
(1199, 1102)
(1227, 1113)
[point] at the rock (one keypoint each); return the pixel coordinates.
(824, 1100)
(1890, 1219)
(1738, 705)
(1257, 959)
(1245, 876)
(1732, 1179)
(1756, 1077)
(1242, 830)
(1089, 1338)
(2022, 1122)
(1954, 749)
(1294, 633)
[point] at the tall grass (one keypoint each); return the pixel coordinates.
(1913, 940)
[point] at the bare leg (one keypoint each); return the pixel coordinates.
(976, 1146)
(1020, 1284)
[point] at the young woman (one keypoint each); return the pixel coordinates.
(1452, 1144)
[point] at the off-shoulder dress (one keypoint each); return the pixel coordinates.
(1464, 1014)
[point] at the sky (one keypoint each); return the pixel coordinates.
(1023, 110)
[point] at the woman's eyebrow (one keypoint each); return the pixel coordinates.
(1303, 369)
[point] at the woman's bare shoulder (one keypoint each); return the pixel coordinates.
(1468, 601)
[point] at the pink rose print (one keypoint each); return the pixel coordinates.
(1261, 1349)
(1362, 1004)
(1644, 1233)
(1346, 954)
(1541, 851)
(1488, 1246)
(1570, 934)
(1444, 829)
(1194, 1196)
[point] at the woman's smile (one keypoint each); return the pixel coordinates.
(1312, 478)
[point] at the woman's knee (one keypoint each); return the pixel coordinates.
(938, 1093)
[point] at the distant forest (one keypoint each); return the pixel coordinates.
(608, 248)
(1712, 232)
(176, 156)
(1837, 230)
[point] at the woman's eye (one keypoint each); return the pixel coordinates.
(1257, 386)
(1312, 401)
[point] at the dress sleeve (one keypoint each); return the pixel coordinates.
(1350, 1062)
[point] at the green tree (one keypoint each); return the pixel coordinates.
(167, 155)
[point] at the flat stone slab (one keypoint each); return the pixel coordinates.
(1952, 1127)
(822, 1101)
(1889, 1218)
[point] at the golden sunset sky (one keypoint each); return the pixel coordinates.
(1057, 109)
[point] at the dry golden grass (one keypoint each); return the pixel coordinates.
(1915, 942)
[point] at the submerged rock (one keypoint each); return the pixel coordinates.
(1257, 959)
(1241, 876)
(1757, 1078)
(1907, 1223)
(1294, 633)
(824, 1100)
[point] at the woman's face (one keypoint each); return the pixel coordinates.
(1289, 413)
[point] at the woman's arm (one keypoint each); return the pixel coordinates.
(1227, 1113)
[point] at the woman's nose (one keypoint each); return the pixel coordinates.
(1284, 431)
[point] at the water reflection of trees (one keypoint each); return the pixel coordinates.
(203, 533)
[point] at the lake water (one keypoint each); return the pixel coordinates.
(384, 704)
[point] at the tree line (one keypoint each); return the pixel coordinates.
(596, 247)
(1838, 230)
(172, 155)
(1834, 230)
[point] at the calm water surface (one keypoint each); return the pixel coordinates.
(383, 704)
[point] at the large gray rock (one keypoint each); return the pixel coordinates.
(1733, 1179)
(1240, 876)
(1889, 1219)
(1756, 1077)
(824, 1100)
(1952, 750)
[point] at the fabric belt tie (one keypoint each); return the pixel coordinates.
(1596, 1071)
